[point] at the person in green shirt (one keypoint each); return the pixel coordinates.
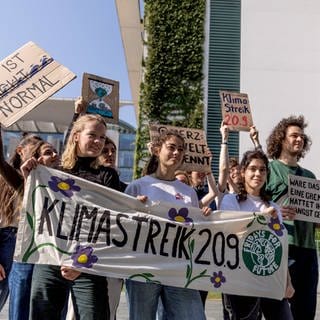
(286, 145)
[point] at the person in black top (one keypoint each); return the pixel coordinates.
(51, 284)
(107, 158)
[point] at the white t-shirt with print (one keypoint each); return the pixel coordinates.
(163, 190)
(251, 204)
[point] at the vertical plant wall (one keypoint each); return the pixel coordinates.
(171, 91)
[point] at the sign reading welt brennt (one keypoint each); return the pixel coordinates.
(28, 77)
(304, 195)
(197, 156)
(236, 112)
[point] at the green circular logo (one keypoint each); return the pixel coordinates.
(262, 252)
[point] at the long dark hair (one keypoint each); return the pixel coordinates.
(10, 199)
(157, 142)
(246, 160)
(15, 159)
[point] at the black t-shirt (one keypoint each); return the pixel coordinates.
(105, 176)
(201, 192)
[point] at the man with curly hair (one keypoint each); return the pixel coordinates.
(286, 145)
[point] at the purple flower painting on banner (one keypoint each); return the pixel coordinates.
(83, 257)
(66, 186)
(276, 226)
(218, 279)
(180, 216)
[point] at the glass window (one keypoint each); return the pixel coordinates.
(126, 175)
(127, 141)
(125, 159)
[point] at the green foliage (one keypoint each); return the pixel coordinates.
(172, 90)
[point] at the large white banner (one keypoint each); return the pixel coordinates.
(69, 221)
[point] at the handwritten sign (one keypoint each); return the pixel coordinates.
(27, 77)
(101, 231)
(102, 96)
(236, 111)
(304, 195)
(196, 156)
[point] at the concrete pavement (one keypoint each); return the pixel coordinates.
(213, 310)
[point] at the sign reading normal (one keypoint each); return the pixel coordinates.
(28, 77)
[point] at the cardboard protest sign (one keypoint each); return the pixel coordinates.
(27, 77)
(67, 220)
(196, 156)
(236, 111)
(102, 96)
(304, 195)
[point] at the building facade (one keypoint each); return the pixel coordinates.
(222, 60)
(53, 131)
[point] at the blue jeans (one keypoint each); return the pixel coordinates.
(178, 303)
(7, 245)
(20, 288)
(50, 292)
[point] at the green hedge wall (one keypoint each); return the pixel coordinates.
(171, 92)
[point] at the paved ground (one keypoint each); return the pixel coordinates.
(213, 310)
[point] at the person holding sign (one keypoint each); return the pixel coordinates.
(286, 145)
(9, 216)
(160, 184)
(51, 284)
(30, 147)
(107, 158)
(206, 196)
(253, 197)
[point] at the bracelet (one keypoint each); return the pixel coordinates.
(224, 142)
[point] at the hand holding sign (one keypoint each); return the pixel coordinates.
(80, 106)
(224, 131)
(209, 154)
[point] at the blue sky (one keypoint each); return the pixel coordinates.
(84, 36)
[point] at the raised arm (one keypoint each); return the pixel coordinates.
(212, 191)
(79, 108)
(212, 187)
(254, 136)
(224, 158)
(10, 174)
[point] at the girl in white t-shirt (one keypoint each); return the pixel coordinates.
(252, 197)
(160, 184)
